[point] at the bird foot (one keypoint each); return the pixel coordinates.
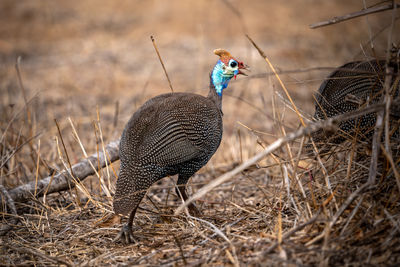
(125, 235)
(194, 211)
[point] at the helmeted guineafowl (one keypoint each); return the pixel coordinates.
(173, 133)
(352, 86)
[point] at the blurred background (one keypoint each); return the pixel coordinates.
(78, 58)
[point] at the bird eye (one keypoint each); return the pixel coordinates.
(233, 64)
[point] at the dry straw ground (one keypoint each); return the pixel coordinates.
(86, 66)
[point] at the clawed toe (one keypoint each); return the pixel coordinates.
(125, 235)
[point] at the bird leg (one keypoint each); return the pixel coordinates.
(126, 235)
(193, 210)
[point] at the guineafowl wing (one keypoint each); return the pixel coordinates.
(354, 85)
(171, 129)
(348, 88)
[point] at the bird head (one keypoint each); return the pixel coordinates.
(226, 68)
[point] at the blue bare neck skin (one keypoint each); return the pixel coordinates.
(219, 79)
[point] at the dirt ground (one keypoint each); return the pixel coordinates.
(93, 62)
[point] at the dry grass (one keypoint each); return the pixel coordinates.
(84, 60)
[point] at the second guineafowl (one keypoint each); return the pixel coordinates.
(173, 133)
(352, 86)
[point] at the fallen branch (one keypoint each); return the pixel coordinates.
(353, 15)
(312, 127)
(10, 203)
(63, 181)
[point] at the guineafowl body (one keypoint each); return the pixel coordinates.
(173, 133)
(352, 86)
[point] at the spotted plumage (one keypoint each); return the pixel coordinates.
(174, 133)
(353, 85)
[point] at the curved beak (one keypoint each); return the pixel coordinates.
(242, 67)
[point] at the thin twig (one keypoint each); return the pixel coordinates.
(393, 164)
(389, 72)
(369, 27)
(178, 243)
(382, 117)
(102, 183)
(14, 117)
(162, 63)
(64, 147)
(277, 76)
(21, 85)
(116, 113)
(37, 167)
(353, 15)
(17, 149)
(75, 134)
(108, 186)
(353, 212)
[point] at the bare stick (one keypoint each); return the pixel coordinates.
(17, 149)
(353, 212)
(62, 180)
(382, 118)
(61, 158)
(21, 85)
(353, 15)
(10, 203)
(20, 80)
(277, 76)
(162, 63)
(389, 73)
(37, 165)
(393, 164)
(116, 113)
(64, 147)
(178, 243)
(14, 117)
(375, 146)
(107, 187)
(312, 127)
